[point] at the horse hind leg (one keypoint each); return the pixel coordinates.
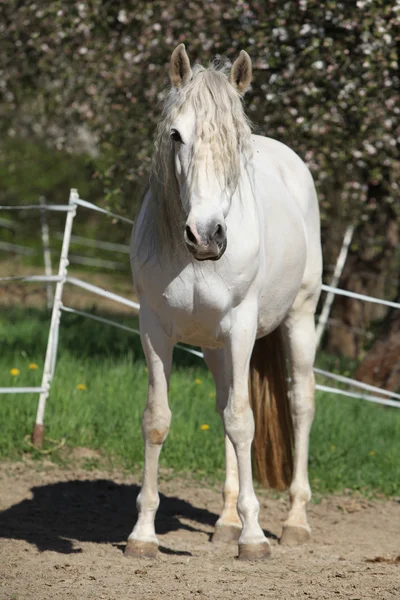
(229, 526)
(300, 332)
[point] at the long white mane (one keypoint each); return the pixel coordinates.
(221, 124)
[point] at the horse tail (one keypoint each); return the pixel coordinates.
(269, 399)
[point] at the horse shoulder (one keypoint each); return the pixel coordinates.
(296, 177)
(292, 170)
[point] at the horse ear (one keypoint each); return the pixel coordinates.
(179, 68)
(240, 75)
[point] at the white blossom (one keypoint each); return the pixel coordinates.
(122, 16)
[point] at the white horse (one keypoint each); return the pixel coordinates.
(226, 250)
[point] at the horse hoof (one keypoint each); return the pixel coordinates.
(224, 534)
(254, 551)
(294, 536)
(137, 549)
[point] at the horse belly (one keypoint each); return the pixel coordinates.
(283, 278)
(272, 312)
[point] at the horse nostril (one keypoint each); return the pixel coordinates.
(219, 234)
(190, 236)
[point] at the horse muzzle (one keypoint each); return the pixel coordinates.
(206, 243)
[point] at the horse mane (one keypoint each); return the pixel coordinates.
(221, 123)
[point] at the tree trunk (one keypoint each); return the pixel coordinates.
(371, 269)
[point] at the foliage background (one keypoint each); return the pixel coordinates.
(326, 81)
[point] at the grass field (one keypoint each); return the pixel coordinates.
(98, 395)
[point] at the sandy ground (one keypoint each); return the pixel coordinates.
(63, 531)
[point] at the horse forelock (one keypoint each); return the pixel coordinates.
(221, 123)
(221, 126)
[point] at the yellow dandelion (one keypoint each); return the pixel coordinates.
(212, 394)
(81, 386)
(333, 448)
(33, 366)
(372, 453)
(197, 381)
(14, 371)
(204, 427)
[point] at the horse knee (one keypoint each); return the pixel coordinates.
(303, 410)
(155, 426)
(302, 403)
(157, 436)
(239, 425)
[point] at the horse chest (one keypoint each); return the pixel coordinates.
(194, 306)
(197, 309)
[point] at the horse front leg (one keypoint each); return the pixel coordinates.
(157, 347)
(229, 526)
(239, 426)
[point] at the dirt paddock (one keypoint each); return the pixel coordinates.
(63, 531)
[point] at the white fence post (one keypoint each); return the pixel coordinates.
(46, 252)
(326, 309)
(52, 343)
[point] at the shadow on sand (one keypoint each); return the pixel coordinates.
(102, 511)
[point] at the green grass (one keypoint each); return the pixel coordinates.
(106, 415)
(354, 444)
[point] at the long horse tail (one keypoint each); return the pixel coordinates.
(269, 399)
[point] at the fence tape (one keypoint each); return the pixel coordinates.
(328, 288)
(73, 258)
(53, 207)
(331, 390)
(96, 262)
(100, 319)
(21, 390)
(190, 350)
(87, 204)
(27, 250)
(32, 278)
(100, 292)
(90, 243)
(124, 327)
(356, 383)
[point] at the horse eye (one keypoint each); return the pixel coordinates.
(176, 136)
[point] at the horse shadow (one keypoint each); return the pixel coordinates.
(101, 511)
